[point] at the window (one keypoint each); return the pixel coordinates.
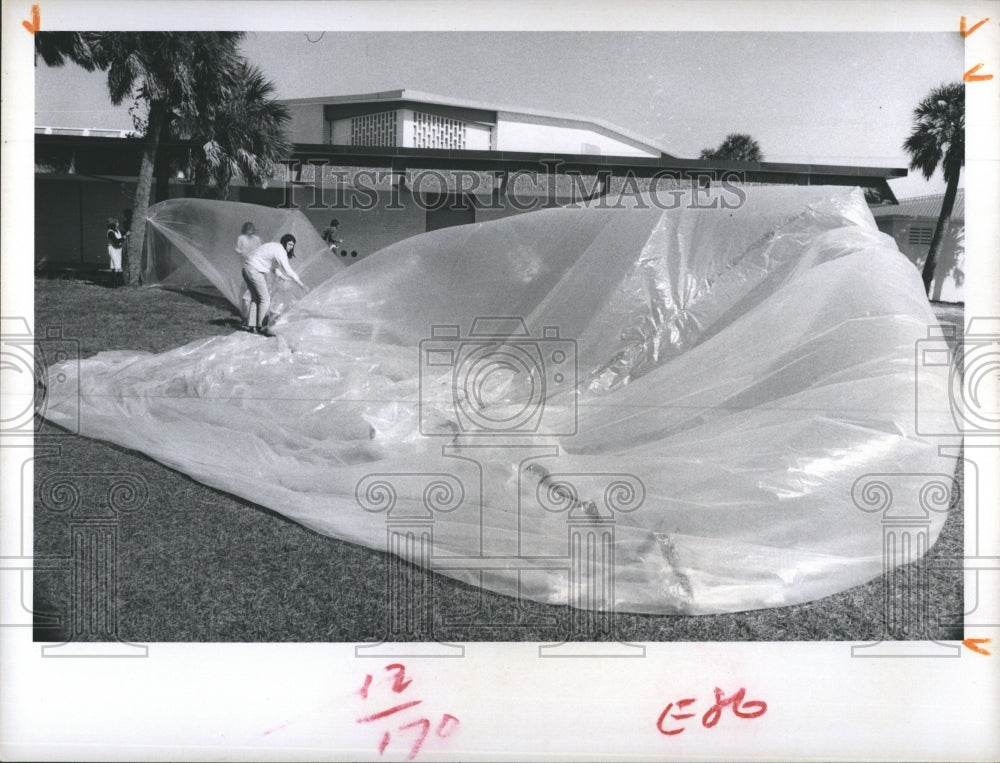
(431, 131)
(920, 235)
(374, 129)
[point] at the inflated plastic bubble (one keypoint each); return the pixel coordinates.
(655, 410)
(191, 245)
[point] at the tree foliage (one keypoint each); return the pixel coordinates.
(737, 147)
(189, 85)
(938, 140)
(247, 138)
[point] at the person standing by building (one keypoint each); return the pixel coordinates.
(115, 242)
(265, 259)
(331, 235)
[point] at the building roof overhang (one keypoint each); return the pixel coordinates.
(401, 159)
(105, 155)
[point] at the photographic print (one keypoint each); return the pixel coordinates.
(388, 341)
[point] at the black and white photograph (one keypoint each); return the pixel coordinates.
(412, 352)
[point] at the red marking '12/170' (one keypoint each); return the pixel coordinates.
(401, 683)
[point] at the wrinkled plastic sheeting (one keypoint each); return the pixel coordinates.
(706, 387)
(191, 245)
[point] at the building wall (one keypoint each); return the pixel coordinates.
(71, 220)
(71, 213)
(340, 132)
(307, 124)
(912, 236)
(370, 219)
(519, 132)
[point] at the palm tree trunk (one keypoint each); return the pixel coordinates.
(133, 267)
(947, 204)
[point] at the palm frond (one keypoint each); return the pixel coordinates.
(56, 48)
(938, 134)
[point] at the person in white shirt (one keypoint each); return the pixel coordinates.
(267, 258)
(115, 243)
(246, 243)
(248, 240)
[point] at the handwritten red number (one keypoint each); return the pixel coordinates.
(442, 729)
(425, 726)
(400, 682)
(715, 712)
(364, 689)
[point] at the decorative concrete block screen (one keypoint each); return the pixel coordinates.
(374, 129)
(432, 131)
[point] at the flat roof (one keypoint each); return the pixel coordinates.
(106, 153)
(419, 96)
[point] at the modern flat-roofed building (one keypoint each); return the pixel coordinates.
(392, 164)
(414, 119)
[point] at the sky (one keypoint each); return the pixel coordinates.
(823, 98)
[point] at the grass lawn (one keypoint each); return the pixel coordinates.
(196, 564)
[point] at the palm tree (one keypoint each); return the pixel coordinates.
(56, 48)
(738, 147)
(181, 77)
(247, 137)
(938, 139)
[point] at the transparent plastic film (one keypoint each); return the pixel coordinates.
(705, 386)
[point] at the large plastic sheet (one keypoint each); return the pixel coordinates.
(656, 410)
(191, 245)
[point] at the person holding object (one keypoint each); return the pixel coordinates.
(115, 242)
(246, 243)
(331, 235)
(268, 258)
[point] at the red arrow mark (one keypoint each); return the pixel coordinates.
(973, 644)
(36, 20)
(971, 76)
(966, 32)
